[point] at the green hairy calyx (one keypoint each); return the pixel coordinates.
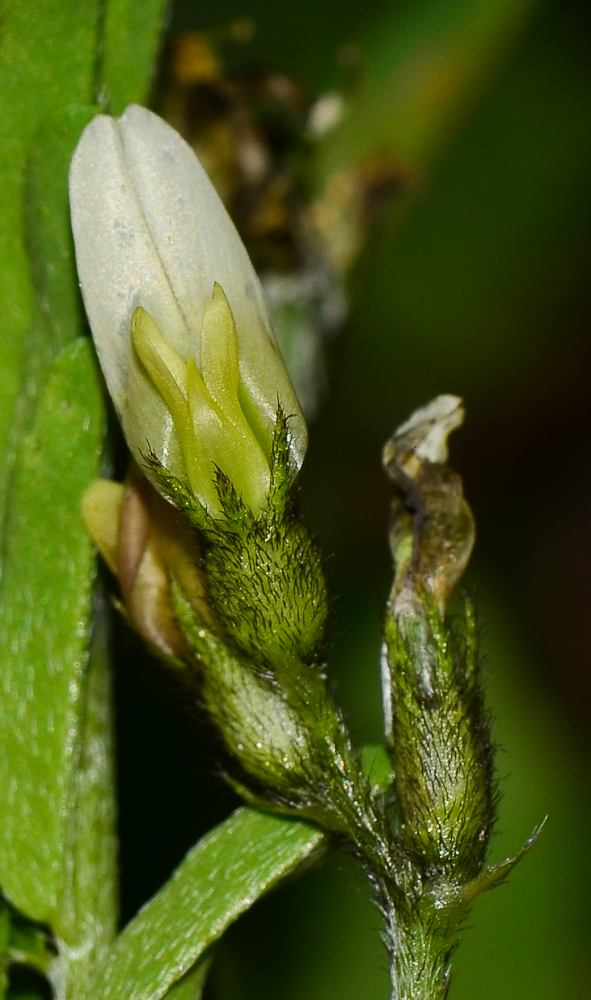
(259, 664)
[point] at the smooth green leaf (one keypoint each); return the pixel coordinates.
(131, 39)
(220, 878)
(49, 235)
(48, 88)
(44, 634)
(57, 316)
(47, 62)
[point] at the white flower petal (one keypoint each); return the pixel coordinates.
(150, 230)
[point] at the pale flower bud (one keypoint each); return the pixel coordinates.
(148, 546)
(176, 310)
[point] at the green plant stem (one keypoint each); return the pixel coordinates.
(420, 965)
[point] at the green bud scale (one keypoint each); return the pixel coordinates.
(440, 742)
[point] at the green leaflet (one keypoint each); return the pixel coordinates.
(49, 236)
(88, 907)
(47, 62)
(44, 636)
(57, 316)
(56, 786)
(218, 880)
(131, 37)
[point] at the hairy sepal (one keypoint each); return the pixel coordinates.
(264, 572)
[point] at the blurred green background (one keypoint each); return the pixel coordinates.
(478, 284)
